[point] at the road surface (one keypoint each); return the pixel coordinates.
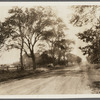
(62, 81)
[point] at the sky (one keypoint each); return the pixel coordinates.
(62, 11)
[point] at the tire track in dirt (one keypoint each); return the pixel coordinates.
(24, 86)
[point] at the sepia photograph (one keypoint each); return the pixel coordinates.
(49, 48)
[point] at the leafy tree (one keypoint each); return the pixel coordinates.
(5, 34)
(38, 24)
(56, 41)
(14, 25)
(73, 58)
(92, 38)
(79, 60)
(63, 48)
(84, 15)
(29, 27)
(58, 45)
(45, 58)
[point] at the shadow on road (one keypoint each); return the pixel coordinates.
(56, 72)
(45, 74)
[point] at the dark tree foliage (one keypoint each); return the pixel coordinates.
(62, 49)
(5, 32)
(45, 58)
(92, 38)
(78, 60)
(84, 15)
(15, 23)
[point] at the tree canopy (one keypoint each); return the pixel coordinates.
(84, 14)
(29, 26)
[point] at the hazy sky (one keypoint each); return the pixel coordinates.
(65, 13)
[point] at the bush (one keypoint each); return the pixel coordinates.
(62, 62)
(45, 59)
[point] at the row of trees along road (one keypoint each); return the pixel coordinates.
(25, 27)
(85, 15)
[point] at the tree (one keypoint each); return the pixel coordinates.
(15, 24)
(84, 15)
(79, 60)
(73, 59)
(63, 48)
(57, 42)
(5, 34)
(29, 27)
(55, 37)
(92, 38)
(38, 24)
(45, 58)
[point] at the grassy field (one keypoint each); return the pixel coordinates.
(14, 74)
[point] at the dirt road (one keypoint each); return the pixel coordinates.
(62, 81)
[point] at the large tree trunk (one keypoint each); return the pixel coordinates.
(59, 57)
(53, 54)
(33, 60)
(21, 56)
(22, 45)
(53, 58)
(21, 59)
